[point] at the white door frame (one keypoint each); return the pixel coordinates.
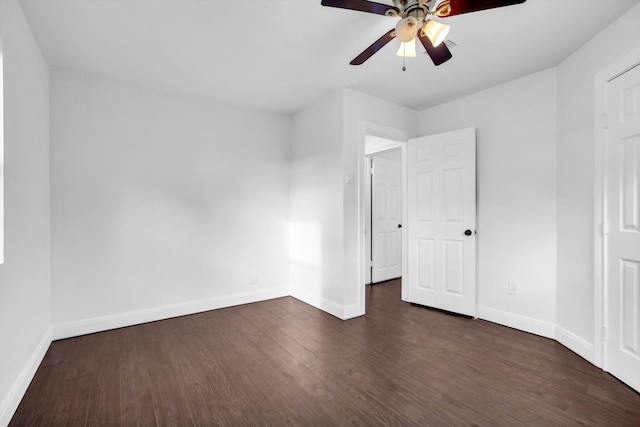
(401, 137)
(600, 285)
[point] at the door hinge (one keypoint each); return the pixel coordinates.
(370, 263)
(605, 228)
(605, 123)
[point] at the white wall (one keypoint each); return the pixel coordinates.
(161, 205)
(516, 169)
(25, 298)
(576, 177)
(393, 155)
(317, 251)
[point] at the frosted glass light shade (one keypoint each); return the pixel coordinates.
(435, 31)
(407, 49)
(407, 28)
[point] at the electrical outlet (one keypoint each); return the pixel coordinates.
(512, 287)
(253, 279)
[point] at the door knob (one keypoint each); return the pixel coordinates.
(399, 225)
(468, 232)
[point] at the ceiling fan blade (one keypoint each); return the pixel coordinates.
(376, 46)
(360, 5)
(448, 8)
(439, 54)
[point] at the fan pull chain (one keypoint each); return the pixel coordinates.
(404, 56)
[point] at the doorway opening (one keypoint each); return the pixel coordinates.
(384, 216)
(437, 227)
(384, 209)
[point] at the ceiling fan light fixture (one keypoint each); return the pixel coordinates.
(407, 28)
(407, 49)
(435, 31)
(414, 22)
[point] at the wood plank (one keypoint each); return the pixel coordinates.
(282, 362)
(104, 405)
(136, 403)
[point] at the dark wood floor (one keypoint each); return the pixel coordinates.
(282, 362)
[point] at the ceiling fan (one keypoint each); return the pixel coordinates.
(415, 22)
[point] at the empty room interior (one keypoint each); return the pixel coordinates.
(210, 216)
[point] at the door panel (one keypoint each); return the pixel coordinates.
(424, 188)
(454, 267)
(442, 205)
(426, 261)
(453, 196)
(630, 330)
(387, 216)
(622, 144)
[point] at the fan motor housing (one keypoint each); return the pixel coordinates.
(407, 5)
(416, 8)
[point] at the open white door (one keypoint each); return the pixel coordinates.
(442, 221)
(386, 219)
(622, 235)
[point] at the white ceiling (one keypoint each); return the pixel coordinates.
(280, 55)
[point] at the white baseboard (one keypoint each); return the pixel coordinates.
(11, 401)
(320, 303)
(352, 311)
(576, 344)
(120, 320)
(517, 321)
